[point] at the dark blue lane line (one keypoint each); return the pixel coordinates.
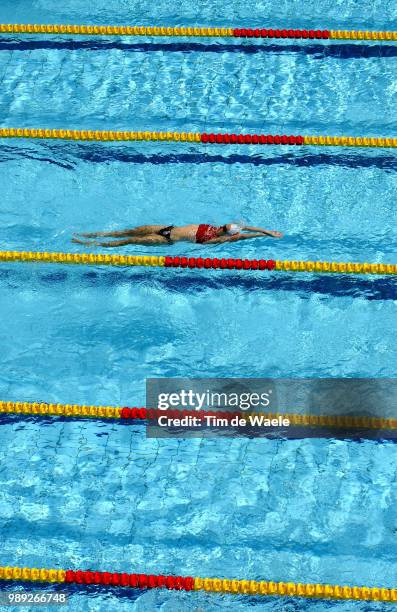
(10, 153)
(196, 282)
(130, 594)
(88, 590)
(99, 154)
(316, 159)
(330, 49)
(337, 286)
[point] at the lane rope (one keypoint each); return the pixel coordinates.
(190, 583)
(145, 414)
(199, 137)
(286, 265)
(111, 30)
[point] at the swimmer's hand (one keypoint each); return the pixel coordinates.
(273, 234)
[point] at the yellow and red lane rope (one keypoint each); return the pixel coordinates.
(190, 583)
(198, 137)
(126, 413)
(286, 265)
(191, 31)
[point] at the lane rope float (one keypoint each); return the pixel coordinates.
(219, 32)
(190, 583)
(126, 413)
(199, 137)
(286, 265)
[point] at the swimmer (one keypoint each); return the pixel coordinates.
(153, 235)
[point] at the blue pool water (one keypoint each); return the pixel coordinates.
(100, 495)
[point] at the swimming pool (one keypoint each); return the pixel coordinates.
(84, 494)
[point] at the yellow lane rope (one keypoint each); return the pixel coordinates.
(83, 258)
(286, 265)
(191, 31)
(124, 412)
(68, 410)
(189, 583)
(198, 137)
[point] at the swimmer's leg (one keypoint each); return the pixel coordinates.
(151, 240)
(141, 230)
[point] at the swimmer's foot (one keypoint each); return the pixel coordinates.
(90, 234)
(85, 242)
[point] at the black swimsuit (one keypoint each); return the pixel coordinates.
(166, 232)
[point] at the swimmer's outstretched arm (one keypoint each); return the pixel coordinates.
(235, 238)
(266, 232)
